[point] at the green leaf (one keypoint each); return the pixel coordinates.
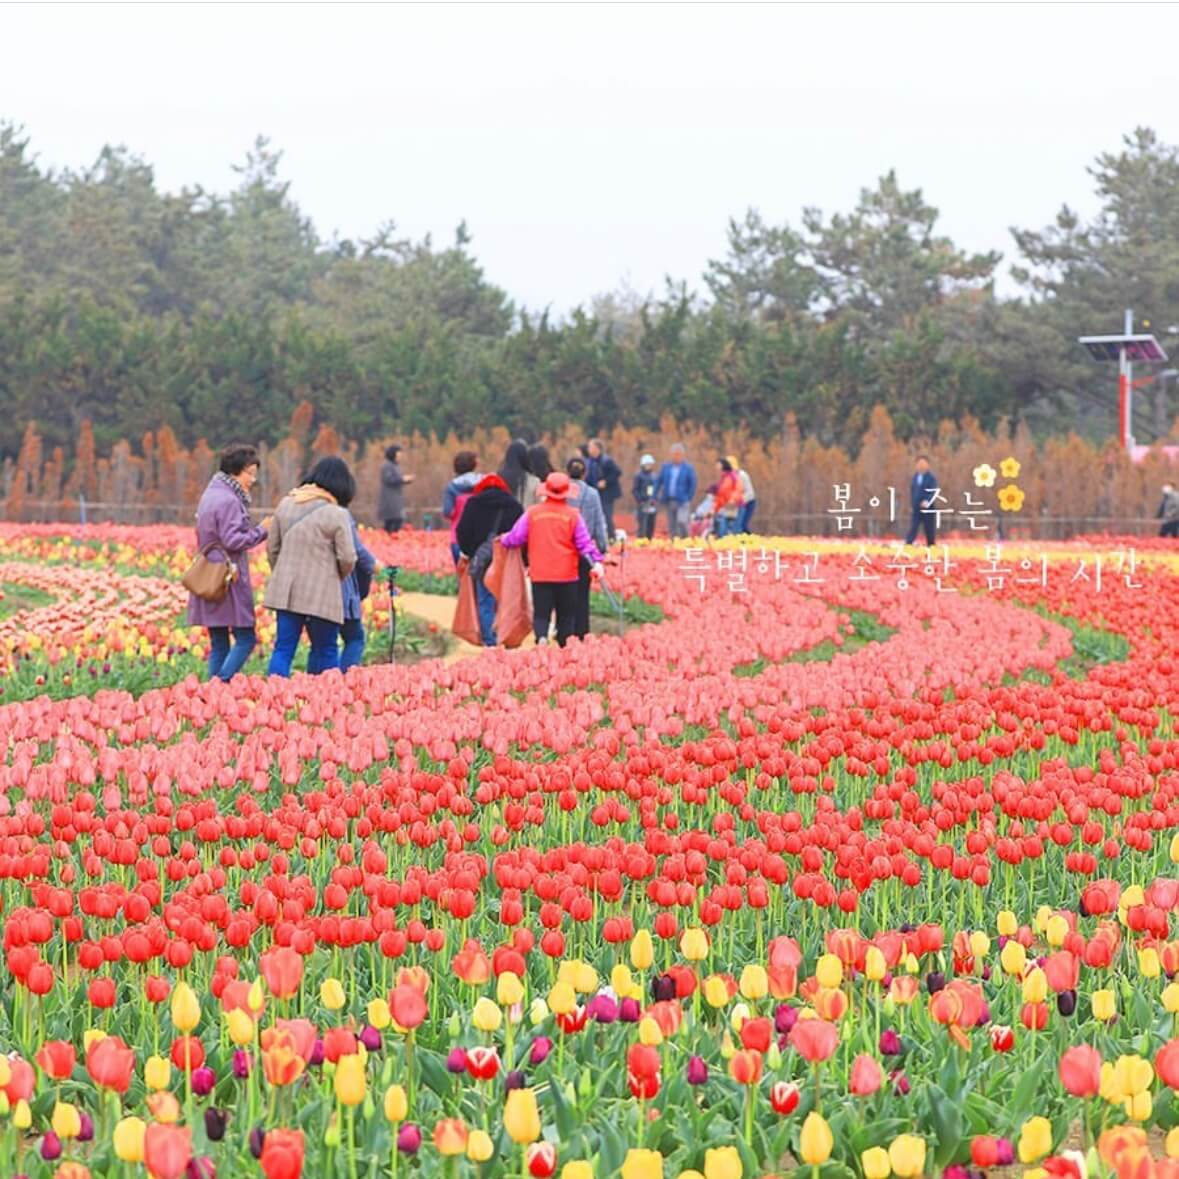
(945, 1117)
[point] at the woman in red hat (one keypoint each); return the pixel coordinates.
(555, 536)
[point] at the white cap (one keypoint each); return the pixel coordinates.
(647, 458)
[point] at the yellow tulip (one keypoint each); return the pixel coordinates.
(186, 1008)
(378, 1014)
(650, 1033)
(396, 1104)
(66, 1121)
(585, 979)
(980, 944)
(815, 1141)
(1035, 986)
(128, 1139)
(875, 1163)
(509, 990)
(5, 1072)
(521, 1116)
(694, 944)
(578, 1169)
(906, 1155)
(331, 994)
(1171, 1143)
(642, 1164)
(350, 1081)
(1148, 963)
(562, 999)
(912, 966)
(1175, 860)
(875, 964)
(1139, 1107)
(1043, 913)
(538, 1010)
(479, 1146)
(157, 1072)
(716, 993)
(642, 951)
(722, 1162)
(1057, 930)
(22, 1116)
(738, 1016)
(623, 983)
(1104, 1005)
(1035, 1139)
(90, 1037)
(1013, 958)
(829, 972)
(486, 1016)
(241, 1027)
(256, 996)
(1110, 1090)
(755, 983)
(1171, 998)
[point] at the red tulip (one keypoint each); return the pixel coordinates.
(814, 1039)
(542, 1159)
(408, 1006)
(282, 1154)
(784, 1097)
(111, 1063)
(167, 1150)
(745, 1067)
(866, 1076)
(282, 968)
(1080, 1071)
(56, 1059)
(1166, 1064)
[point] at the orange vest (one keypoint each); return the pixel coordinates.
(552, 555)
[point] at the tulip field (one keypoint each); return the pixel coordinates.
(818, 875)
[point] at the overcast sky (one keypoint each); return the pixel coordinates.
(588, 145)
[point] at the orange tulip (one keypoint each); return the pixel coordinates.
(282, 1154)
(282, 1062)
(471, 964)
(814, 1039)
(111, 1063)
(866, 1076)
(1063, 971)
(450, 1136)
(745, 1067)
(407, 1005)
(1166, 1064)
(1080, 1071)
(56, 1059)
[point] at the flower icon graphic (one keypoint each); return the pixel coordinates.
(1010, 498)
(984, 475)
(1009, 468)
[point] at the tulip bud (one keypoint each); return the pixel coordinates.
(980, 944)
(487, 1016)
(815, 1140)
(890, 1043)
(785, 1017)
(829, 972)
(331, 994)
(875, 1163)
(396, 1104)
(454, 1025)
(773, 1057)
(86, 1127)
(509, 990)
(331, 1136)
(521, 1116)
(215, 1122)
(241, 1064)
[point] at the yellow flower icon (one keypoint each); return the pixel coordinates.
(1009, 468)
(984, 475)
(1011, 498)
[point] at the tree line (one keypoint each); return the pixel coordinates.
(198, 312)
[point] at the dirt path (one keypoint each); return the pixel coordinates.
(439, 610)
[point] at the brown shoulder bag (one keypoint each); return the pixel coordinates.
(210, 580)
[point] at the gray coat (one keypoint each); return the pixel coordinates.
(222, 517)
(391, 505)
(587, 501)
(311, 552)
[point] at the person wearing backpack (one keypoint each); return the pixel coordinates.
(356, 587)
(490, 511)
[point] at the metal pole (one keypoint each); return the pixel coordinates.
(1126, 378)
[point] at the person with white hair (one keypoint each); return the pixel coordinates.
(644, 489)
(675, 489)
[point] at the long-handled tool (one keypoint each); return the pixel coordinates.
(391, 572)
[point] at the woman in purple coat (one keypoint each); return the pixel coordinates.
(223, 517)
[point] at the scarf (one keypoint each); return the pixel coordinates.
(489, 481)
(234, 486)
(309, 491)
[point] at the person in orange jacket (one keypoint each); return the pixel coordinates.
(555, 536)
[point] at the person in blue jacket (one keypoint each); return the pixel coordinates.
(922, 489)
(675, 488)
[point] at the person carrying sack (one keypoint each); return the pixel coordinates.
(490, 511)
(554, 535)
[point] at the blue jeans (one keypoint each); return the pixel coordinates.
(455, 552)
(725, 525)
(485, 600)
(225, 663)
(325, 643)
(352, 632)
(746, 515)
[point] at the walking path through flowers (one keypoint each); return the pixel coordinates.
(819, 874)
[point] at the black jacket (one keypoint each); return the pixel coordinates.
(479, 518)
(610, 473)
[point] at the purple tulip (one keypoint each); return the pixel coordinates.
(985, 1016)
(200, 1168)
(203, 1080)
(697, 1071)
(241, 1064)
(785, 1017)
(935, 981)
(602, 1008)
(316, 1053)
(629, 1011)
(50, 1146)
(409, 1138)
(900, 1084)
(541, 1047)
(955, 1171)
(1006, 1152)
(514, 1079)
(370, 1038)
(257, 1138)
(456, 1061)
(890, 1043)
(86, 1132)
(215, 1121)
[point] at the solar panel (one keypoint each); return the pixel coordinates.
(1138, 348)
